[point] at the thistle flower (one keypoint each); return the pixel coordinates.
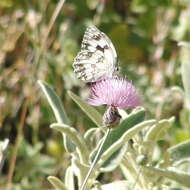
(116, 92)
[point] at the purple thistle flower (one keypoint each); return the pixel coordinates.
(117, 92)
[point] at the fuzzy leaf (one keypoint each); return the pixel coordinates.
(185, 120)
(185, 70)
(125, 137)
(114, 160)
(75, 137)
(90, 136)
(58, 111)
(89, 133)
(115, 134)
(57, 183)
(171, 173)
(3, 147)
(55, 103)
(92, 113)
(69, 179)
(157, 132)
(180, 152)
(118, 185)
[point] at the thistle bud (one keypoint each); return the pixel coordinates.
(111, 117)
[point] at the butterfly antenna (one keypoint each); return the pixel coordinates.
(95, 160)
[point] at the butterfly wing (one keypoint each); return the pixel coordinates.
(97, 58)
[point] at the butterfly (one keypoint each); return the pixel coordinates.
(97, 59)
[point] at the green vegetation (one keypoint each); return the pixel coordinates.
(39, 41)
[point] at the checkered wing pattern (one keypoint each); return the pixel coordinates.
(97, 58)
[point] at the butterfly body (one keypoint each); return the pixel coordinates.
(97, 59)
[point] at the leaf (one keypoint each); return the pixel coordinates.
(4, 144)
(90, 137)
(115, 134)
(69, 178)
(114, 160)
(3, 147)
(58, 111)
(89, 133)
(118, 185)
(180, 152)
(57, 183)
(92, 4)
(124, 138)
(185, 70)
(173, 174)
(185, 120)
(92, 113)
(55, 103)
(157, 132)
(75, 137)
(184, 44)
(40, 163)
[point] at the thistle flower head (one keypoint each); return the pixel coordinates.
(116, 91)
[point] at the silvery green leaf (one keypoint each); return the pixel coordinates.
(75, 137)
(92, 4)
(3, 147)
(80, 170)
(116, 133)
(55, 103)
(185, 120)
(58, 111)
(115, 159)
(118, 185)
(122, 113)
(124, 138)
(57, 183)
(90, 111)
(185, 70)
(184, 44)
(180, 152)
(128, 170)
(90, 137)
(69, 178)
(89, 133)
(157, 131)
(171, 173)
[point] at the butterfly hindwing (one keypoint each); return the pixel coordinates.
(97, 58)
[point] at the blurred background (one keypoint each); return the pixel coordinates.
(36, 43)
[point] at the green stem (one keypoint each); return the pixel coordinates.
(95, 161)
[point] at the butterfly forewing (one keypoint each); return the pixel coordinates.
(97, 58)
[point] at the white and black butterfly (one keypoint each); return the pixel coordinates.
(97, 59)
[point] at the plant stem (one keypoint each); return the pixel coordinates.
(95, 160)
(15, 150)
(50, 26)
